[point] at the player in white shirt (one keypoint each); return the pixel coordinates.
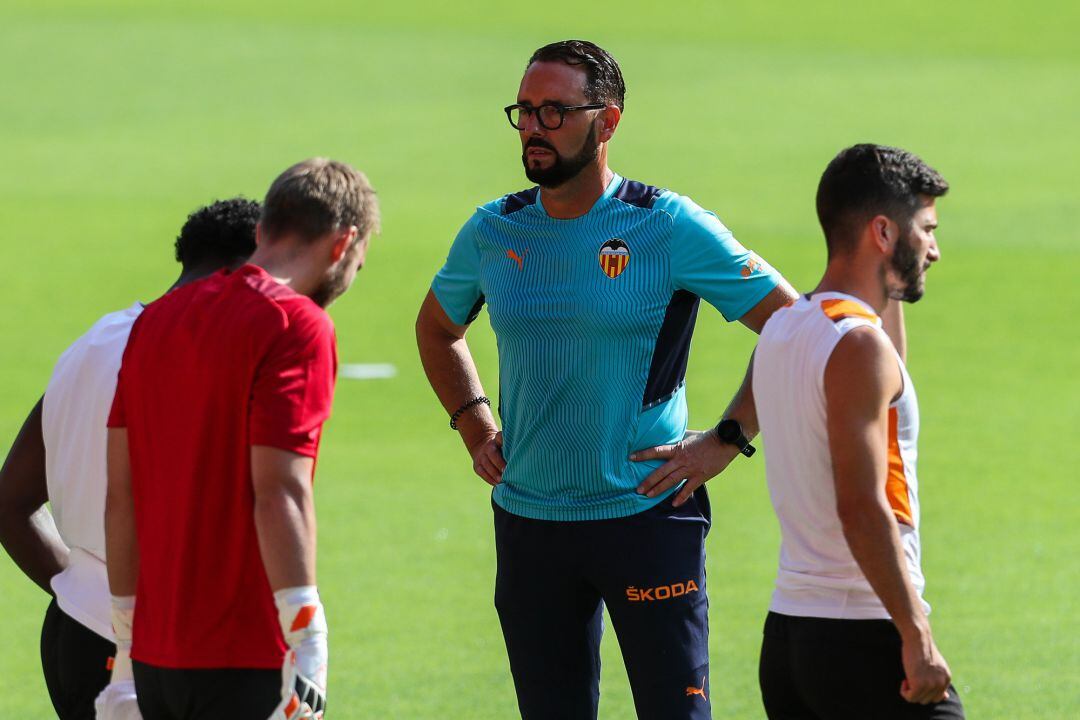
(847, 635)
(59, 457)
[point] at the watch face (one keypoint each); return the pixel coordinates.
(729, 430)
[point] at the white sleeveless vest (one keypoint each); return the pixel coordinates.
(76, 406)
(818, 577)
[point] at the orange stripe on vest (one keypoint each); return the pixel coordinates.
(837, 310)
(896, 487)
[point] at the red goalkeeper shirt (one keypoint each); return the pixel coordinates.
(211, 369)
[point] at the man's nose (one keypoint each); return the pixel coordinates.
(934, 253)
(532, 126)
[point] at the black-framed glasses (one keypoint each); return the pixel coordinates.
(549, 115)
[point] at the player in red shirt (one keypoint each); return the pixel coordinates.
(59, 458)
(209, 519)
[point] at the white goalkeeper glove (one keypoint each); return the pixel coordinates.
(303, 675)
(117, 700)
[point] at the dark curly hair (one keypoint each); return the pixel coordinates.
(603, 78)
(221, 232)
(866, 180)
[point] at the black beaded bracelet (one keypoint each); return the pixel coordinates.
(461, 410)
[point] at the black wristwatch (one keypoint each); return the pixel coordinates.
(730, 431)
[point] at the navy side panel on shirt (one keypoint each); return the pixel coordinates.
(672, 353)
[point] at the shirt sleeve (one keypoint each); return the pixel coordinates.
(708, 261)
(294, 385)
(457, 284)
(117, 414)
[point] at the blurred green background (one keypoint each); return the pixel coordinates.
(118, 118)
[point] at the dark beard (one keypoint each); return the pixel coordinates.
(908, 269)
(330, 289)
(334, 285)
(562, 169)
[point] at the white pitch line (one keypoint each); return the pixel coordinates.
(369, 371)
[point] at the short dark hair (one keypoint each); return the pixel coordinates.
(866, 180)
(221, 232)
(603, 78)
(318, 196)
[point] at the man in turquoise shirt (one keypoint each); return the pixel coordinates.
(592, 284)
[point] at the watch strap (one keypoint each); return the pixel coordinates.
(739, 440)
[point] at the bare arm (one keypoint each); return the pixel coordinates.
(781, 295)
(701, 456)
(451, 371)
(27, 530)
(285, 526)
(121, 543)
(284, 515)
(892, 321)
(860, 379)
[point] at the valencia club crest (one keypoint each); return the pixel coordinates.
(614, 257)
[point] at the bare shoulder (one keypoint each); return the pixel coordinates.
(862, 345)
(863, 368)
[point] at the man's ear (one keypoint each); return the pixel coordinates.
(260, 235)
(609, 120)
(343, 240)
(884, 232)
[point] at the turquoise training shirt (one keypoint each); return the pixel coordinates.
(593, 317)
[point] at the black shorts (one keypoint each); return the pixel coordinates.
(553, 581)
(218, 694)
(75, 660)
(824, 669)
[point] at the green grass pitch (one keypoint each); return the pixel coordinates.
(118, 117)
